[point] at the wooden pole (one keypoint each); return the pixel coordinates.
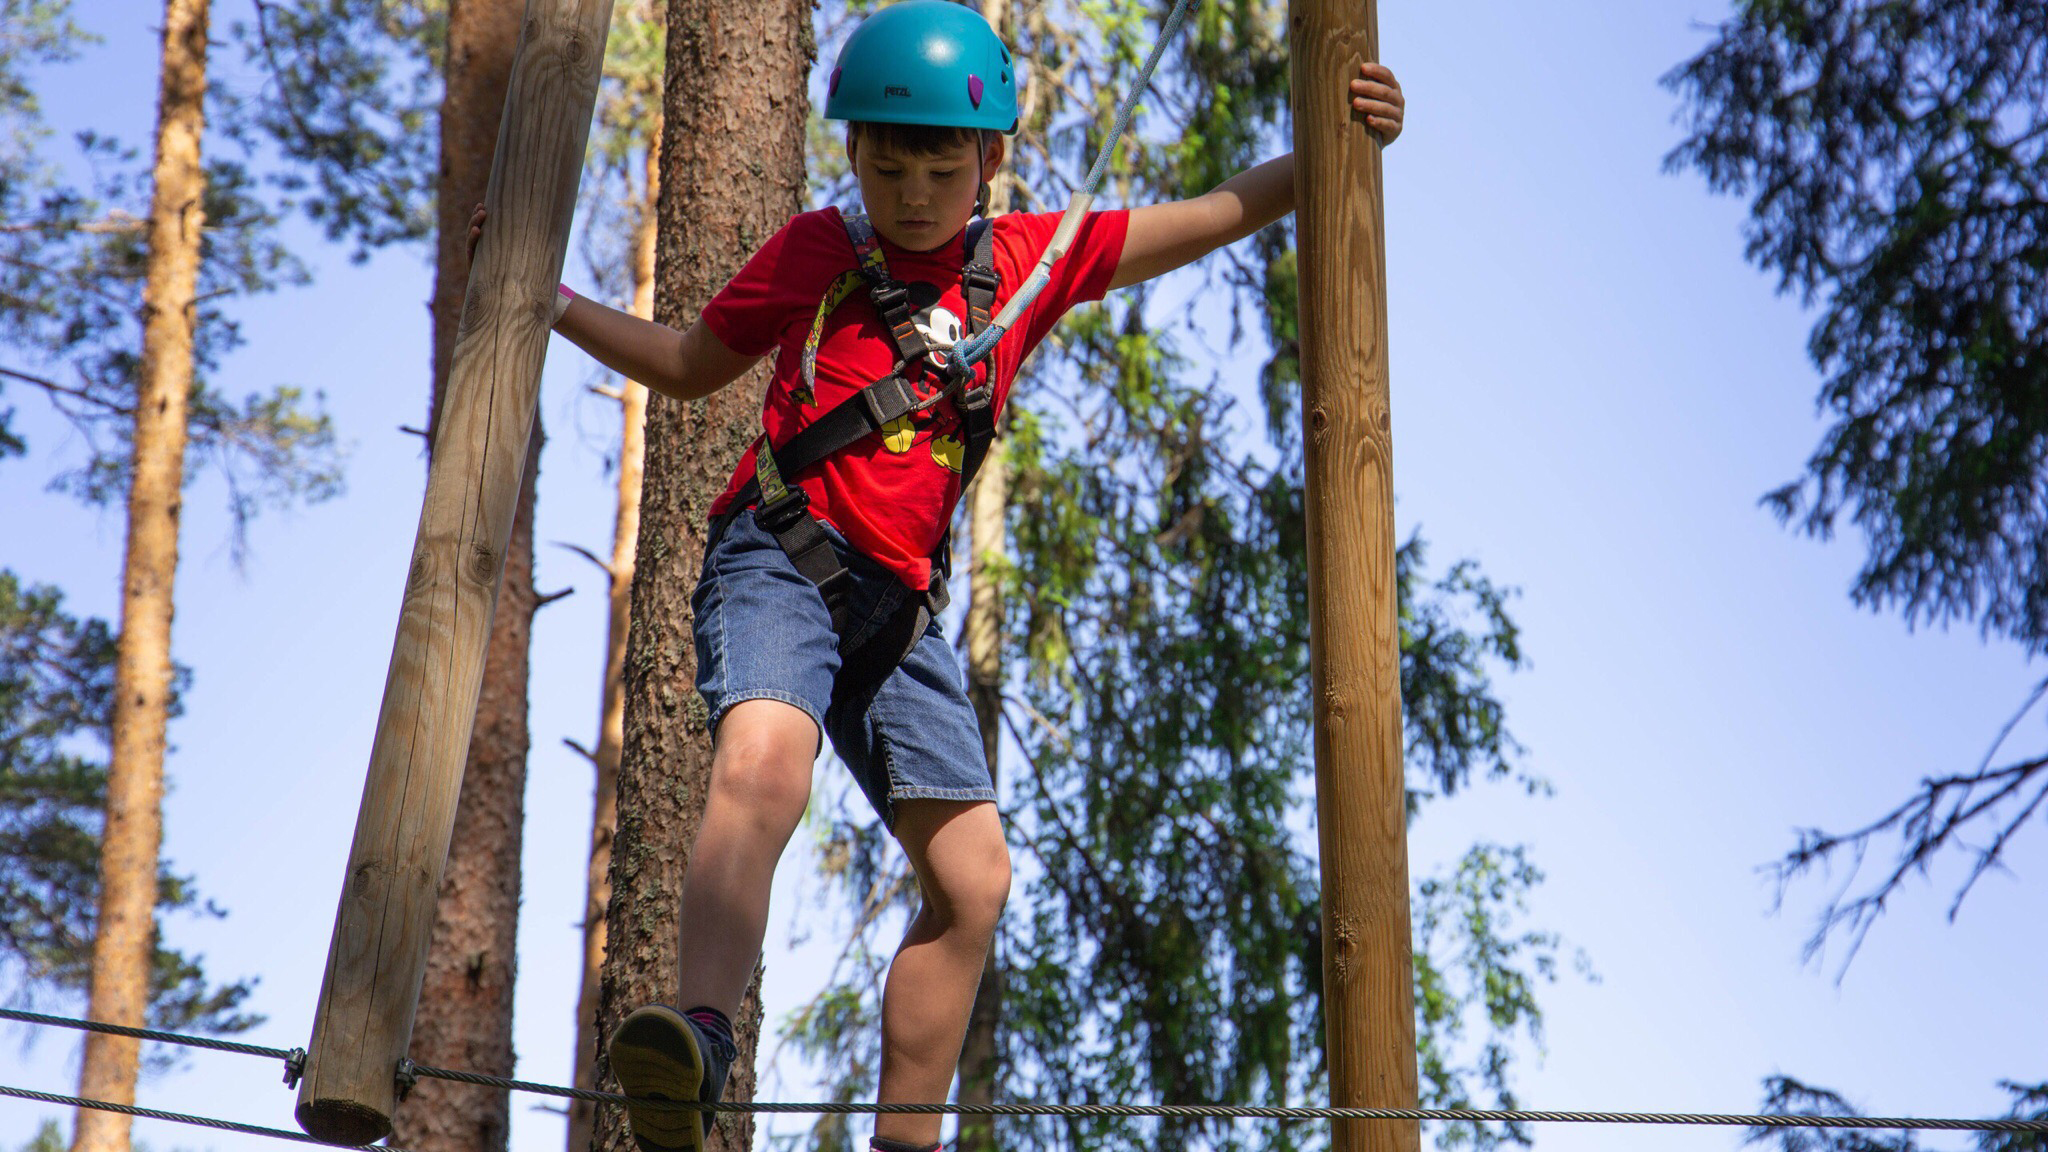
(1368, 957)
(378, 954)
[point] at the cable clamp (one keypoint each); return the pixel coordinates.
(294, 1067)
(407, 1075)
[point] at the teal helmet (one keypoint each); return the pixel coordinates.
(925, 62)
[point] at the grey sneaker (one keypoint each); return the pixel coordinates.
(659, 1053)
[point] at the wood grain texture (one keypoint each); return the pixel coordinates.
(1368, 962)
(378, 955)
(734, 106)
(464, 1017)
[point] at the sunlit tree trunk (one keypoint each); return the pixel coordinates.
(126, 922)
(465, 1010)
(612, 713)
(979, 1056)
(732, 173)
(984, 631)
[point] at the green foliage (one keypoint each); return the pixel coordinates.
(73, 260)
(48, 1138)
(1172, 946)
(1896, 159)
(56, 716)
(33, 33)
(1472, 962)
(615, 201)
(1785, 1096)
(353, 95)
(1895, 156)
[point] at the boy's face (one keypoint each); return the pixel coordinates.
(920, 202)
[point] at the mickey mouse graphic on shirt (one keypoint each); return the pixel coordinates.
(941, 330)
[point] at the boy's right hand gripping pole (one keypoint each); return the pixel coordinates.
(1368, 962)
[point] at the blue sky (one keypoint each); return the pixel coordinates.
(1591, 390)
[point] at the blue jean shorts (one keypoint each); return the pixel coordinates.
(763, 633)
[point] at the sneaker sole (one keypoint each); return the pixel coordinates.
(654, 1054)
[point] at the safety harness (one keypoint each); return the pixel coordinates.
(783, 508)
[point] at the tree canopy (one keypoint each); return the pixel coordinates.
(72, 261)
(1894, 154)
(56, 704)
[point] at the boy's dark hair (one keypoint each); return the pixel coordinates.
(914, 139)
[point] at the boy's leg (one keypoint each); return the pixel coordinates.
(760, 782)
(963, 866)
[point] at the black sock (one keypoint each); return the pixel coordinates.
(877, 1144)
(712, 1021)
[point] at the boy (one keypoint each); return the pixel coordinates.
(815, 614)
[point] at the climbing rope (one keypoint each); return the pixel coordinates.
(966, 355)
(293, 1058)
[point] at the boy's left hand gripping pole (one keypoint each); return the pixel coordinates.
(378, 955)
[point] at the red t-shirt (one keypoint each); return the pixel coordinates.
(892, 493)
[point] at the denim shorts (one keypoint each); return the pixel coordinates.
(763, 633)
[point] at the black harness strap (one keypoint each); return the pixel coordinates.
(784, 508)
(976, 404)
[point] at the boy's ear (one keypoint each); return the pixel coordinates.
(992, 154)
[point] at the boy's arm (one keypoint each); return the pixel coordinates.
(1161, 237)
(688, 365)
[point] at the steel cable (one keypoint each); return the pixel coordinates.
(176, 1117)
(1259, 1112)
(145, 1034)
(1183, 1111)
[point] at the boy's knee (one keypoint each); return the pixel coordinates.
(973, 891)
(763, 760)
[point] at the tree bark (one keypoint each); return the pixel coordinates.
(733, 172)
(464, 1019)
(482, 37)
(979, 1055)
(612, 710)
(125, 934)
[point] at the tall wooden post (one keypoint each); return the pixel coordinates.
(378, 954)
(1368, 958)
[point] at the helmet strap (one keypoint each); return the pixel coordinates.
(981, 200)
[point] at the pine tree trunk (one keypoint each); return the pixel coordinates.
(612, 713)
(464, 1018)
(125, 937)
(984, 634)
(733, 173)
(979, 1055)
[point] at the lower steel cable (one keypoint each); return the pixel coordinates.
(1257, 1112)
(1185, 1111)
(174, 1117)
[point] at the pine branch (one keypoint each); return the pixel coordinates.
(56, 389)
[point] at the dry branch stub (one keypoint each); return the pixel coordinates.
(378, 954)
